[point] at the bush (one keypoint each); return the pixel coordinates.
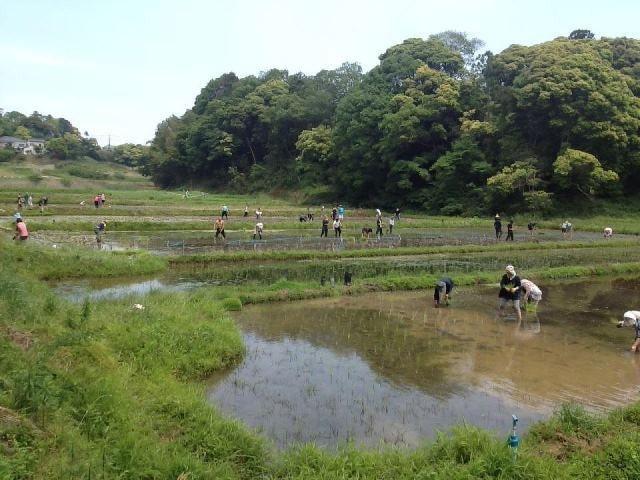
(232, 304)
(35, 177)
(7, 154)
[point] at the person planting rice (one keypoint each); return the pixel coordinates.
(219, 224)
(100, 229)
(509, 231)
(325, 227)
(532, 293)
(442, 292)
(21, 230)
(379, 227)
(340, 212)
(337, 227)
(42, 203)
(510, 286)
(632, 318)
(497, 225)
(258, 231)
(224, 212)
(608, 232)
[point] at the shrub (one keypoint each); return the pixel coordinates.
(35, 177)
(7, 154)
(232, 304)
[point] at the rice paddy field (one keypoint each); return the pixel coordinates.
(169, 353)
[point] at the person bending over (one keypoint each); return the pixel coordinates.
(631, 318)
(442, 292)
(532, 293)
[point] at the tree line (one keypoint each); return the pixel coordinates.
(63, 141)
(436, 125)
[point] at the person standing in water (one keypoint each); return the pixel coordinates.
(379, 227)
(258, 231)
(442, 292)
(497, 225)
(100, 229)
(509, 231)
(325, 227)
(510, 286)
(392, 222)
(225, 212)
(632, 318)
(337, 228)
(246, 211)
(219, 224)
(42, 203)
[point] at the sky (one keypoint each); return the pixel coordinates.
(117, 68)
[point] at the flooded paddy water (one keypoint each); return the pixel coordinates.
(389, 368)
(201, 241)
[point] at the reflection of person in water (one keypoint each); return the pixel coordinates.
(528, 326)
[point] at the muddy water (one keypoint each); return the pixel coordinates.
(389, 368)
(198, 241)
(114, 288)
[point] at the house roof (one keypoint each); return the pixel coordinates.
(6, 139)
(37, 140)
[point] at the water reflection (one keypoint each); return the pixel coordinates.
(390, 368)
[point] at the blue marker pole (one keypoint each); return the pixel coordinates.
(514, 440)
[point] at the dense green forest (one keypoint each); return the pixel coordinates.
(436, 125)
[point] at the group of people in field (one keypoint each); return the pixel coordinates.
(513, 290)
(566, 228)
(519, 292)
(99, 200)
(219, 223)
(26, 200)
(337, 221)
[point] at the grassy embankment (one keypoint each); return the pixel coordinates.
(105, 390)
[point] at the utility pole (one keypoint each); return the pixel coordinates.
(109, 142)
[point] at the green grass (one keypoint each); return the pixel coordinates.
(106, 390)
(55, 264)
(291, 255)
